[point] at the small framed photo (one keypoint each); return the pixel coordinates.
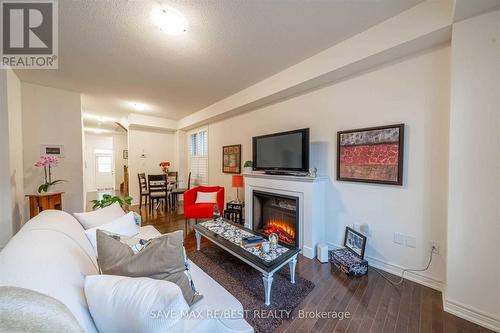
(355, 242)
(125, 154)
(52, 150)
(231, 159)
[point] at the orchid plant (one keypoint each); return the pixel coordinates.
(47, 162)
(164, 166)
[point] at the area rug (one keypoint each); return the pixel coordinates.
(245, 283)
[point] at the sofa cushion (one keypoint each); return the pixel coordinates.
(162, 258)
(24, 310)
(206, 197)
(51, 255)
(100, 216)
(136, 305)
(122, 226)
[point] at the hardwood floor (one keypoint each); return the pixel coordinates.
(374, 304)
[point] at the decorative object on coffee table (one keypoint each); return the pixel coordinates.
(372, 155)
(231, 159)
(43, 201)
(228, 236)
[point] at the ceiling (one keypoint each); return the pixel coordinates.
(111, 52)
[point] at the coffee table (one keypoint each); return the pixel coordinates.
(227, 235)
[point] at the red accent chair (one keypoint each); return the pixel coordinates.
(192, 210)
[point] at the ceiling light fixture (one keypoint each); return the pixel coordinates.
(138, 106)
(169, 20)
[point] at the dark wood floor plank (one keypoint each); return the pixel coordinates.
(413, 308)
(403, 318)
(372, 307)
(381, 314)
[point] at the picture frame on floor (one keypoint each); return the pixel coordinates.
(231, 159)
(355, 242)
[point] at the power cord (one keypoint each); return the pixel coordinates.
(433, 248)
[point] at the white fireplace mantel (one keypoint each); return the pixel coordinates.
(311, 193)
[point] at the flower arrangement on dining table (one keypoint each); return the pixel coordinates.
(47, 162)
(164, 166)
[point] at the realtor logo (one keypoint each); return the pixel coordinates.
(29, 34)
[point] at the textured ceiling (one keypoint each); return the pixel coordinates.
(111, 52)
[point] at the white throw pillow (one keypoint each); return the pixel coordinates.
(135, 305)
(206, 197)
(123, 226)
(100, 216)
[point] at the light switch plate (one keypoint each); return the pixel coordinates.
(411, 241)
(399, 238)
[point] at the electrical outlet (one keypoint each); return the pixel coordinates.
(435, 247)
(411, 241)
(399, 238)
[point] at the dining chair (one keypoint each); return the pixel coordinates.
(157, 185)
(143, 189)
(176, 192)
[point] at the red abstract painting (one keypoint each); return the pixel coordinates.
(371, 155)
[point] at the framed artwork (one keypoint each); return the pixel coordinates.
(125, 154)
(53, 150)
(355, 242)
(231, 159)
(371, 155)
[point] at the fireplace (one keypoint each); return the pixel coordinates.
(274, 213)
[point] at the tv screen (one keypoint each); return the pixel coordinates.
(282, 151)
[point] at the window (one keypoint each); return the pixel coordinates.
(198, 157)
(104, 164)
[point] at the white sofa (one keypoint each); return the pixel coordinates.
(52, 255)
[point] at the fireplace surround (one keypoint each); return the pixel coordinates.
(311, 205)
(275, 213)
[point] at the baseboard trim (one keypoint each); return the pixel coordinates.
(471, 314)
(397, 270)
(308, 252)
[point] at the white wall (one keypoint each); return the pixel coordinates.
(119, 145)
(11, 164)
(53, 116)
(473, 284)
(16, 150)
(414, 91)
(157, 146)
(93, 142)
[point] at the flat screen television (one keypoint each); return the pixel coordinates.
(285, 151)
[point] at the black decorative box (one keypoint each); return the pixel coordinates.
(348, 262)
(351, 258)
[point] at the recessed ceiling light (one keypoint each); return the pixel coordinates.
(138, 106)
(169, 20)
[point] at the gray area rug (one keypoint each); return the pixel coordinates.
(245, 283)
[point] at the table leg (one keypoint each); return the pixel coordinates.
(292, 265)
(198, 239)
(268, 282)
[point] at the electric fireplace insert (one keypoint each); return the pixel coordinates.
(276, 213)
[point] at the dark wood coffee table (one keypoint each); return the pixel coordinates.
(227, 235)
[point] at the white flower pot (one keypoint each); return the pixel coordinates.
(247, 170)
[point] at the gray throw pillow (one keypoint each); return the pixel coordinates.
(25, 310)
(161, 258)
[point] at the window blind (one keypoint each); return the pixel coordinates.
(198, 157)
